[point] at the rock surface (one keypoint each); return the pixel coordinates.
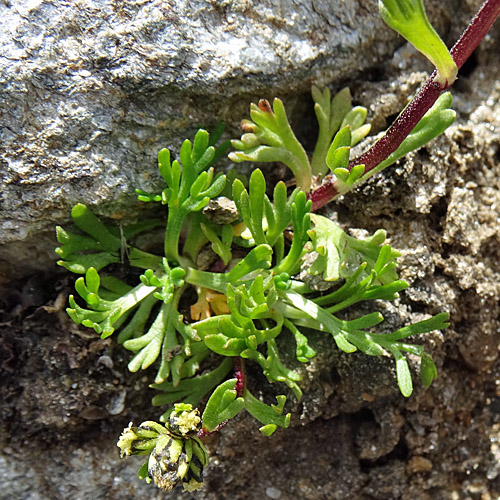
(65, 394)
(91, 90)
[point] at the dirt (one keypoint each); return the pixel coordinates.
(66, 394)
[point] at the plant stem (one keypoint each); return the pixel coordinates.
(420, 104)
(239, 373)
(475, 32)
(172, 234)
(204, 432)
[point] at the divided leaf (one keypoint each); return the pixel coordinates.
(433, 123)
(190, 390)
(271, 416)
(332, 115)
(269, 138)
(222, 405)
(339, 254)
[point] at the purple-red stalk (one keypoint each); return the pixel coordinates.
(205, 432)
(421, 103)
(239, 373)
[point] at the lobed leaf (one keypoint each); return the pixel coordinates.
(222, 405)
(433, 123)
(271, 416)
(269, 138)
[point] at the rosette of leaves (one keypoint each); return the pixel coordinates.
(241, 311)
(258, 285)
(238, 310)
(263, 296)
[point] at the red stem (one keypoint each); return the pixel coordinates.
(420, 104)
(239, 373)
(205, 432)
(475, 32)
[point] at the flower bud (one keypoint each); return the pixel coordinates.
(183, 420)
(177, 460)
(176, 455)
(139, 440)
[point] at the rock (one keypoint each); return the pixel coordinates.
(91, 91)
(419, 464)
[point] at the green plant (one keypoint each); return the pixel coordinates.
(197, 325)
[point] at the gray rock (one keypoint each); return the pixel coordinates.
(91, 90)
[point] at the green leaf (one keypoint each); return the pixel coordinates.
(221, 246)
(269, 138)
(101, 245)
(338, 153)
(74, 249)
(343, 253)
(273, 368)
(324, 320)
(367, 321)
(222, 405)
(278, 213)
(343, 344)
(300, 208)
(354, 119)
(339, 160)
(265, 221)
(428, 371)
(342, 139)
(403, 373)
(223, 345)
(104, 314)
(303, 351)
(365, 344)
(409, 19)
(230, 335)
(190, 187)
(437, 322)
(331, 116)
(433, 123)
(85, 220)
(270, 416)
(135, 326)
(250, 204)
(268, 429)
(360, 133)
(167, 335)
(142, 473)
(329, 113)
(191, 390)
(259, 257)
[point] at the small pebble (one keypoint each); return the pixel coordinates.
(419, 464)
(273, 493)
(117, 403)
(106, 361)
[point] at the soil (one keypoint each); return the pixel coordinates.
(66, 395)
